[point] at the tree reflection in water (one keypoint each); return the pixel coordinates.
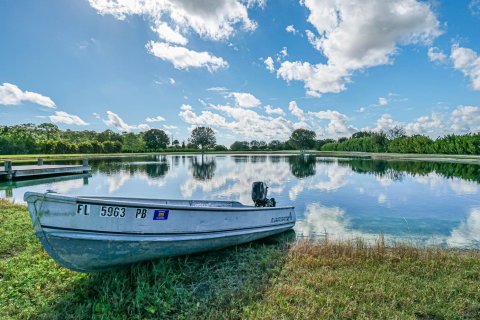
(156, 170)
(204, 169)
(396, 170)
(302, 166)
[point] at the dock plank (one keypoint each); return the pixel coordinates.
(44, 170)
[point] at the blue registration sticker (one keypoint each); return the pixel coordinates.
(160, 215)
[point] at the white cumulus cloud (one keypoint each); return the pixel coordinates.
(63, 117)
(114, 120)
(245, 100)
(468, 62)
(382, 101)
(353, 37)
(432, 126)
(169, 35)
(269, 64)
(296, 110)
(290, 28)
(10, 94)
(249, 124)
(271, 110)
(465, 119)
(183, 58)
(155, 119)
(213, 20)
(436, 55)
(173, 20)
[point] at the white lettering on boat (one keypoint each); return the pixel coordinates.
(282, 219)
(83, 209)
(114, 212)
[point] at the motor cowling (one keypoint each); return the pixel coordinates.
(259, 195)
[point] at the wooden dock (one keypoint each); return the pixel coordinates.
(10, 172)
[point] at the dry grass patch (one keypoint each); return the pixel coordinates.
(345, 280)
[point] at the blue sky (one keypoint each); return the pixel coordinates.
(249, 69)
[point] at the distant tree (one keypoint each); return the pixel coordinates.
(133, 142)
(97, 147)
(175, 143)
(220, 147)
(109, 135)
(62, 147)
(111, 146)
(156, 139)
(258, 145)
(275, 145)
(49, 131)
(361, 134)
(303, 139)
(320, 143)
(240, 146)
(183, 144)
(85, 147)
(396, 132)
(203, 137)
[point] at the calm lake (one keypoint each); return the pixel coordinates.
(430, 203)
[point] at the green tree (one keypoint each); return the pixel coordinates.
(49, 131)
(303, 139)
(240, 146)
(133, 142)
(111, 146)
(85, 147)
(156, 139)
(220, 147)
(275, 145)
(203, 137)
(109, 135)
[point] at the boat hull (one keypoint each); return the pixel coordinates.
(81, 239)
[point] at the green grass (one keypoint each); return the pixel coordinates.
(22, 158)
(269, 279)
(387, 156)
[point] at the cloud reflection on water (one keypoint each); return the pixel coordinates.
(467, 234)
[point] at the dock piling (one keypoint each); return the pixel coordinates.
(40, 161)
(85, 164)
(8, 168)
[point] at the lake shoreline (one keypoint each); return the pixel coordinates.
(473, 159)
(269, 279)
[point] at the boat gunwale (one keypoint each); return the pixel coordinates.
(54, 197)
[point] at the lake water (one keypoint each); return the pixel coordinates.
(415, 201)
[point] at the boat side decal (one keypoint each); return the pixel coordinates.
(160, 215)
(282, 219)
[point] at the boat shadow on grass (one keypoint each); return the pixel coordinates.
(214, 285)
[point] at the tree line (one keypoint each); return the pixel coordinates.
(47, 138)
(396, 141)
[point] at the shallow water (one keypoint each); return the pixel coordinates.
(430, 203)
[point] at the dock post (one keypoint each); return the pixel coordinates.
(8, 168)
(40, 161)
(85, 164)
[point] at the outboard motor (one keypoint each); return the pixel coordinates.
(259, 195)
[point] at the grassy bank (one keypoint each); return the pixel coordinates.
(369, 155)
(19, 158)
(269, 279)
